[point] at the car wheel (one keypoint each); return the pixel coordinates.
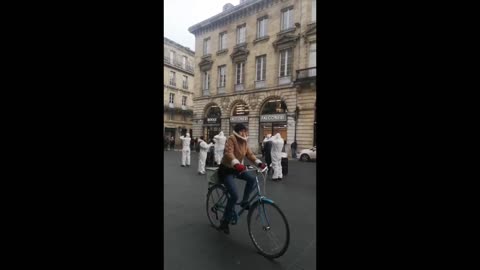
(304, 157)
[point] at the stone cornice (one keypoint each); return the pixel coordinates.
(178, 89)
(246, 92)
(228, 14)
(172, 43)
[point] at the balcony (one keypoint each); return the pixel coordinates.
(185, 85)
(221, 90)
(206, 92)
(172, 83)
(239, 87)
(306, 75)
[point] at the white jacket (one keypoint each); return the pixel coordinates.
(219, 140)
(185, 142)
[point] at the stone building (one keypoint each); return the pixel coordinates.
(177, 89)
(256, 64)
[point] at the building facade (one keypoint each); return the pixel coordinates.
(256, 64)
(177, 89)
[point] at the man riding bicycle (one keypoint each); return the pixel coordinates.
(231, 167)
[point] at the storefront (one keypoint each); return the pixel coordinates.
(239, 115)
(273, 119)
(212, 123)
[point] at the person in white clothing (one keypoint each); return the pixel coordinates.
(219, 140)
(276, 152)
(185, 150)
(203, 155)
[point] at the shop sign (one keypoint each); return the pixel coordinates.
(273, 117)
(238, 119)
(211, 121)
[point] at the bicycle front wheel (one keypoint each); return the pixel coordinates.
(268, 229)
(216, 203)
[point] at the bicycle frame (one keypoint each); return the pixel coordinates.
(255, 196)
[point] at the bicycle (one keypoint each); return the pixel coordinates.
(265, 219)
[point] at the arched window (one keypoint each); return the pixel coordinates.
(274, 106)
(241, 109)
(213, 112)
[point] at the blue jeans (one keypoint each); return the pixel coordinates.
(229, 182)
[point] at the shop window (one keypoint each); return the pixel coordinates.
(274, 106)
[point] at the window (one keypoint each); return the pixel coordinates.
(172, 78)
(262, 27)
(171, 99)
(206, 46)
(172, 56)
(285, 62)
(184, 101)
(222, 76)
(287, 18)
(185, 82)
(206, 80)
(241, 32)
(223, 41)
(312, 60)
(261, 64)
(314, 10)
(184, 63)
(239, 73)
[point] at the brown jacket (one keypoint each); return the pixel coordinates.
(235, 150)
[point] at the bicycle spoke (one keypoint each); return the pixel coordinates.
(268, 230)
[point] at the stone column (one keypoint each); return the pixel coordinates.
(253, 134)
(290, 133)
(225, 126)
(197, 127)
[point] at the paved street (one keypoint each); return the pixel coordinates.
(190, 242)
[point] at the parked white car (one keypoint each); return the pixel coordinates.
(308, 154)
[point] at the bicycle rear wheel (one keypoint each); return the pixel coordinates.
(216, 203)
(268, 228)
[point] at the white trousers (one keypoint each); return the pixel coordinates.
(277, 168)
(202, 157)
(218, 155)
(186, 156)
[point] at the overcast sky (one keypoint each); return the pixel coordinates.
(181, 14)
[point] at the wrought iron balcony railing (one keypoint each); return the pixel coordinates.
(306, 74)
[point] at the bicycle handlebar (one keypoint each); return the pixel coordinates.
(255, 169)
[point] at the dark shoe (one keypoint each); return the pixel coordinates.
(224, 227)
(182, 165)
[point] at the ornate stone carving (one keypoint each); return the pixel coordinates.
(205, 64)
(285, 41)
(253, 100)
(311, 33)
(224, 102)
(239, 54)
